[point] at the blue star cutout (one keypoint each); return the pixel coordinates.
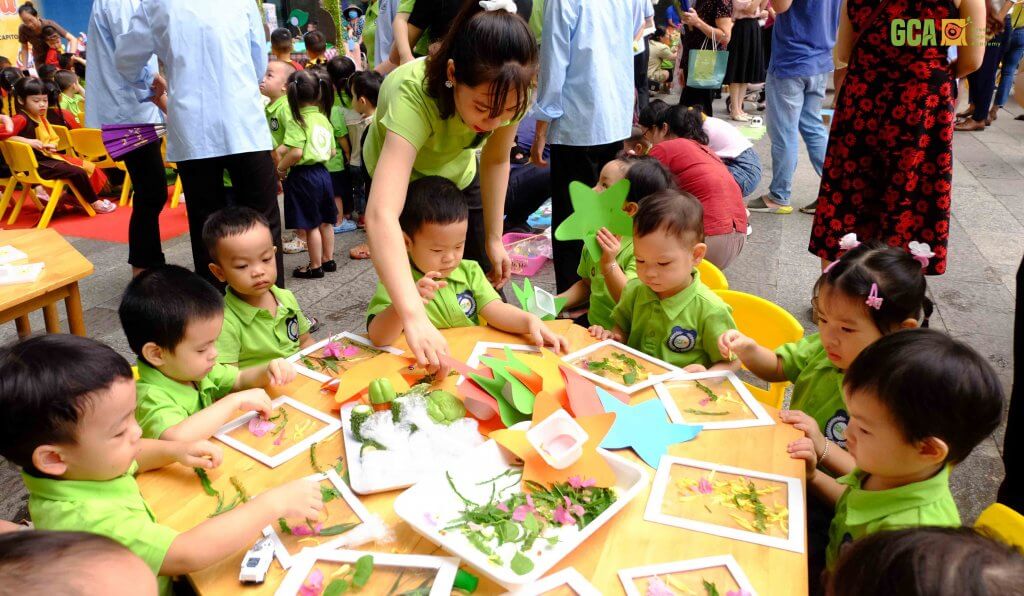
(644, 428)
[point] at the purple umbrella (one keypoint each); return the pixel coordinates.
(123, 138)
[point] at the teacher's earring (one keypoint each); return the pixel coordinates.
(449, 84)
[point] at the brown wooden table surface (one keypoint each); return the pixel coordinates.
(628, 540)
(59, 281)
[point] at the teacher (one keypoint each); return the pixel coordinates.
(30, 32)
(432, 116)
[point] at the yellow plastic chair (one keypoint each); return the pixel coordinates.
(769, 325)
(10, 186)
(64, 144)
(88, 144)
(1001, 523)
(176, 195)
(24, 169)
(712, 276)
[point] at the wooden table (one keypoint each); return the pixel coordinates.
(628, 540)
(59, 281)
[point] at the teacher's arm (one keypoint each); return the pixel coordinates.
(387, 245)
(135, 48)
(494, 169)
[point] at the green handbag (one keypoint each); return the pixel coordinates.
(706, 68)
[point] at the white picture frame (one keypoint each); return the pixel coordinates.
(651, 380)
(281, 553)
(446, 567)
(331, 423)
(629, 576)
(794, 541)
(761, 416)
(567, 577)
(481, 348)
(296, 359)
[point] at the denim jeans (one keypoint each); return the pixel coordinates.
(1011, 59)
(746, 170)
(794, 104)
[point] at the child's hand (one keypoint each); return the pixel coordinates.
(599, 332)
(298, 499)
(695, 368)
(40, 146)
(280, 372)
(255, 399)
(198, 454)
(543, 336)
(429, 284)
(732, 342)
(610, 246)
(804, 449)
(805, 424)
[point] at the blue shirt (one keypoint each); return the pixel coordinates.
(213, 55)
(111, 99)
(803, 37)
(586, 71)
(642, 10)
(386, 10)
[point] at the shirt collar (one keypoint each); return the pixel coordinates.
(152, 376)
(246, 312)
(863, 506)
(675, 304)
(122, 488)
(281, 103)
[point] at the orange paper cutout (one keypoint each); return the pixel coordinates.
(357, 379)
(546, 365)
(590, 465)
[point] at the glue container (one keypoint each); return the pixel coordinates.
(558, 439)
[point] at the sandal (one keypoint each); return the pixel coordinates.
(359, 252)
(307, 272)
(104, 206)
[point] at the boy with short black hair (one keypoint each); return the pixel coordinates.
(69, 424)
(316, 47)
(668, 312)
(172, 319)
(919, 401)
(364, 89)
(261, 321)
(275, 87)
(282, 45)
(455, 292)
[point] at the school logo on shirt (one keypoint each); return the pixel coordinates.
(835, 428)
(467, 303)
(292, 325)
(274, 124)
(682, 340)
(321, 139)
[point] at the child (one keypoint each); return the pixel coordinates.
(931, 561)
(281, 47)
(9, 76)
(55, 114)
(662, 59)
(601, 283)
(919, 402)
(338, 70)
(308, 193)
(172, 319)
(72, 96)
(669, 313)
(32, 128)
(69, 425)
(365, 89)
(54, 47)
(261, 321)
(274, 87)
(637, 143)
(455, 292)
(316, 48)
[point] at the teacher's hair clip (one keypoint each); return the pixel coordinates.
(849, 242)
(921, 252)
(492, 5)
(874, 300)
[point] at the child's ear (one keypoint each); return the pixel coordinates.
(909, 324)
(699, 250)
(450, 71)
(49, 460)
(408, 241)
(933, 449)
(630, 208)
(218, 271)
(153, 353)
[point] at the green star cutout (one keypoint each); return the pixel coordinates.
(592, 211)
(525, 296)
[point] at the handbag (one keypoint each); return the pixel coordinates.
(706, 68)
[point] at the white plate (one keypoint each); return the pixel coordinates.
(433, 499)
(629, 576)
(651, 380)
(761, 417)
(331, 424)
(568, 577)
(446, 568)
(296, 359)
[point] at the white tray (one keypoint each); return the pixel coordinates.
(432, 498)
(296, 359)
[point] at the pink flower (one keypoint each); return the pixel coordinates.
(332, 349)
(260, 426)
(502, 507)
(705, 401)
(564, 515)
(523, 510)
(279, 438)
(576, 482)
(656, 587)
(314, 584)
(350, 351)
(704, 487)
(737, 593)
(305, 530)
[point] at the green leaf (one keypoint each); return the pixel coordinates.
(629, 378)
(705, 412)
(283, 525)
(338, 529)
(329, 493)
(521, 564)
(710, 588)
(204, 479)
(336, 587)
(364, 567)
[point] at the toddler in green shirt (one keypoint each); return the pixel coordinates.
(172, 319)
(455, 292)
(274, 87)
(668, 313)
(69, 424)
(262, 322)
(919, 402)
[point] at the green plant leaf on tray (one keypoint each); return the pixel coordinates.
(521, 564)
(336, 588)
(364, 567)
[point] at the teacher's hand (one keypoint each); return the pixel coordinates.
(501, 264)
(427, 345)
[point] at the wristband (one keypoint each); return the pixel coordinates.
(824, 451)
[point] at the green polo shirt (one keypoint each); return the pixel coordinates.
(112, 508)
(601, 301)
(337, 120)
(817, 386)
(681, 330)
(252, 336)
(164, 402)
(74, 104)
(444, 147)
(315, 136)
(279, 116)
(861, 512)
(456, 305)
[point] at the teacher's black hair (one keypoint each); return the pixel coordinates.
(432, 199)
(932, 386)
(493, 47)
(687, 122)
(46, 384)
(654, 114)
(28, 8)
(307, 88)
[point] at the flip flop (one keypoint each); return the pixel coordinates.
(104, 206)
(359, 252)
